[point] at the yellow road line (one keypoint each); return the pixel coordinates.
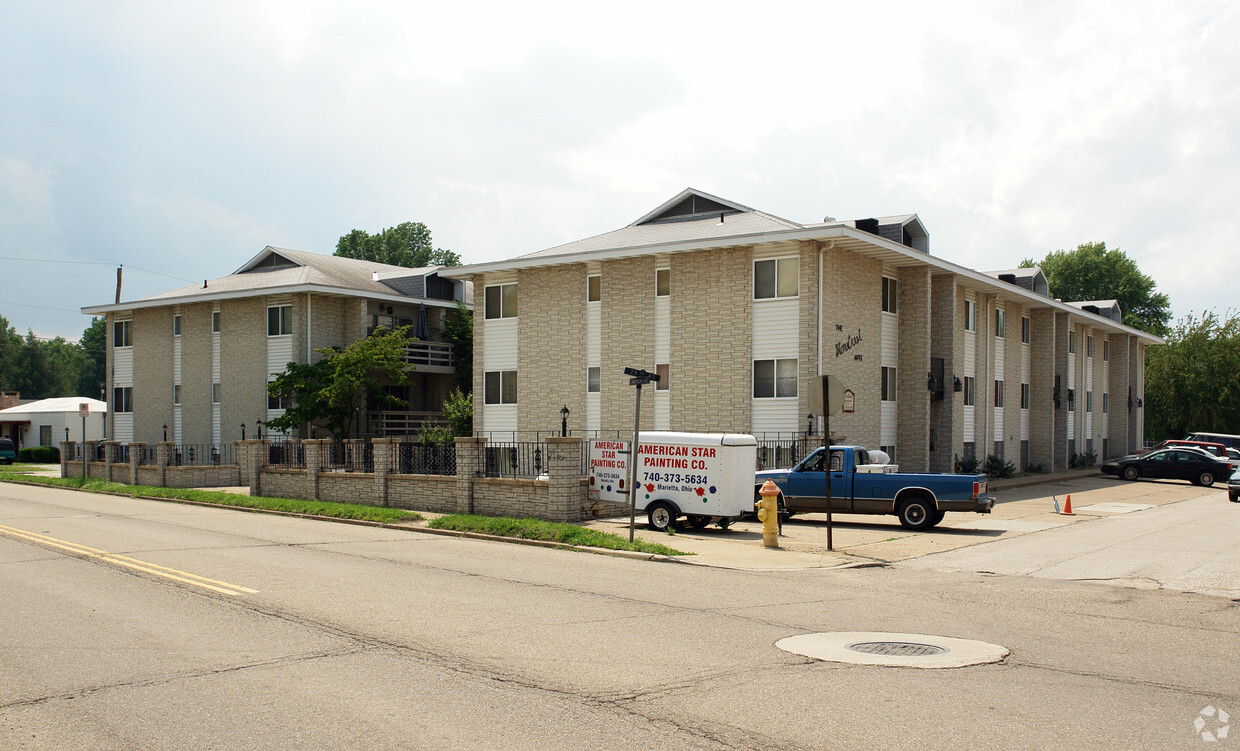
(120, 560)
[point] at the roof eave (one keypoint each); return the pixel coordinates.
(280, 290)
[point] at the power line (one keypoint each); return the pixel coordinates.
(95, 263)
(40, 307)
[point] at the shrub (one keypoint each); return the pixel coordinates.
(996, 467)
(967, 465)
(1080, 461)
(1035, 469)
(39, 455)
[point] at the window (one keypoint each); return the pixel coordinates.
(970, 391)
(122, 399)
(1024, 396)
(660, 369)
(594, 380)
(970, 315)
(122, 334)
(774, 378)
(1089, 401)
(277, 402)
(500, 387)
(889, 384)
(176, 325)
(998, 393)
(1106, 350)
(1000, 324)
(594, 288)
(1072, 341)
(176, 393)
(215, 322)
(501, 301)
(1089, 346)
(889, 295)
(279, 320)
(662, 282)
(1026, 329)
(215, 393)
(1105, 402)
(777, 277)
(45, 435)
(890, 451)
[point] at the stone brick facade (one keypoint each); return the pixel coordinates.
(912, 392)
(551, 346)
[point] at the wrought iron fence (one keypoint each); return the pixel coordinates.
(286, 454)
(416, 458)
(146, 454)
(348, 456)
(515, 459)
(202, 455)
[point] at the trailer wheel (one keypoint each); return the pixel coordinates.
(917, 513)
(661, 515)
(723, 522)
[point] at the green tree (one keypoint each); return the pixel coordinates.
(458, 330)
(1092, 272)
(459, 409)
(1190, 382)
(94, 346)
(331, 393)
(67, 361)
(407, 244)
(10, 349)
(35, 377)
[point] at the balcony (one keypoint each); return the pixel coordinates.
(395, 424)
(430, 357)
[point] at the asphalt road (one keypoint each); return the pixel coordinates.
(332, 636)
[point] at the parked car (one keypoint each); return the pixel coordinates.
(8, 452)
(1228, 440)
(1172, 463)
(1233, 487)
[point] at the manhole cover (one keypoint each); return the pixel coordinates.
(896, 648)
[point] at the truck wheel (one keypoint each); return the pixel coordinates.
(917, 514)
(661, 516)
(1131, 472)
(936, 518)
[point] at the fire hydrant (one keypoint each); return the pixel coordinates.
(768, 514)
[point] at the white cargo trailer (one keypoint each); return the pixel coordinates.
(705, 477)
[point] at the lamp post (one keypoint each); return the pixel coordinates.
(66, 434)
(564, 421)
(809, 424)
(165, 434)
(259, 423)
(243, 431)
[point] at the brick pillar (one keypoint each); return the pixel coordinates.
(163, 457)
(913, 365)
(566, 499)
(315, 448)
(947, 342)
(135, 459)
(1061, 412)
(66, 448)
(384, 450)
(1043, 415)
(257, 457)
(470, 454)
(110, 449)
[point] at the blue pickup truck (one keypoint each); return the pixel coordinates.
(858, 487)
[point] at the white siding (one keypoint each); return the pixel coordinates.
(776, 328)
(1087, 384)
(1106, 416)
(1000, 370)
(499, 352)
(889, 353)
(970, 368)
(122, 427)
(1076, 396)
(777, 416)
(594, 359)
(1024, 378)
(662, 406)
(122, 366)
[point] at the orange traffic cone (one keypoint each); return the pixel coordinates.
(1067, 507)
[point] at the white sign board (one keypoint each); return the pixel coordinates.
(83, 409)
(609, 471)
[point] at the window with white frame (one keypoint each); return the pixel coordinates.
(122, 399)
(970, 315)
(889, 384)
(1106, 350)
(1072, 341)
(774, 379)
(890, 302)
(998, 393)
(176, 325)
(970, 391)
(776, 277)
(662, 282)
(279, 320)
(1089, 401)
(122, 333)
(215, 322)
(176, 393)
(661, 370)
(1106, 400)
(500, 387)
(215, 393)
(1000, 324)
(277, 401)
(594, 380)
(1024, 396)
(1026, 330)
(594, 288)
(501, 301)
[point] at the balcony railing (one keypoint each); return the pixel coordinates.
(430, 357)
(398, 424)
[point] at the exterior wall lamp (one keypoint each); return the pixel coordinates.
(809, 424)
(243, 431)
(165, 434)
(564, 413)
(259, 423)
(956, 384)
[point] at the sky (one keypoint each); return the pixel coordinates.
(180, 139)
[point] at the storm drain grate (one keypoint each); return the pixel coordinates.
(897, 648)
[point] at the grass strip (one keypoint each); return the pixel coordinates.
(534, 529)
(288, 505)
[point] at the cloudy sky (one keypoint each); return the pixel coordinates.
(179, 139)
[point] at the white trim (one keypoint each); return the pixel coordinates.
(290, 289)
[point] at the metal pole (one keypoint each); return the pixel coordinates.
(85, 470)
(637, 416)
(826, 459)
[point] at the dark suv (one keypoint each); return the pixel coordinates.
(8, 452)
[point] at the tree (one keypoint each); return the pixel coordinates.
(10, 348)
(407, 244)
(1092, 272)
(94, 346)
(1190, 382)
(332, 392)
(458, 329)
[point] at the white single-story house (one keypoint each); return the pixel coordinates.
(43, 422)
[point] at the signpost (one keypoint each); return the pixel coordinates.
(827, 400)
(83, 412)
(637, 378)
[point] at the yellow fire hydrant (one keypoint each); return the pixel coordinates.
(768, 514)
